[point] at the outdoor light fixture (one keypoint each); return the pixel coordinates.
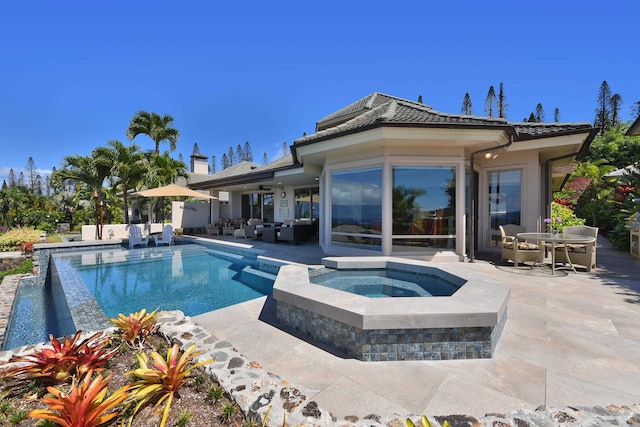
(490, 156)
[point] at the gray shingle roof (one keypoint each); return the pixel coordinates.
(378, 109)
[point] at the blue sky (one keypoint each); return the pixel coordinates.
(73, 73)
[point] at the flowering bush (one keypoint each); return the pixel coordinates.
(561, 216)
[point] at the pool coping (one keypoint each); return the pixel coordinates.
(482, 301)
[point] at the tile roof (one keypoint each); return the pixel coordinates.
(243, 169)
(378, 109)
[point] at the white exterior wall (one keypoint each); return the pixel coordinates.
(527, 162)
(189, 214)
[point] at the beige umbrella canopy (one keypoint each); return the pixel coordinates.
(173, 190)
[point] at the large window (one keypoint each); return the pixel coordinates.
(424, 207)
(356, 208)
(505, 201)
(258, 205)
(307, 202)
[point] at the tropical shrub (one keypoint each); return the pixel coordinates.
(12, 239)
(565, 215)
(137, 327)
(163, 377)
(62, 361)
(87, 405)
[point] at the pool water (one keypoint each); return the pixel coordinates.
(191, 278)
(385, 283)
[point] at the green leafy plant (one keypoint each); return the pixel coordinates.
(184, 417)
(18, 417)
(164, 377)
(215, 393)
(136, 327)
(47, 423)
(198, 381)
(63, 360)
(25, 267)
(5, 407)
(227, 411)
(87, 405)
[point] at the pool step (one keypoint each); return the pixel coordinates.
(261, 281)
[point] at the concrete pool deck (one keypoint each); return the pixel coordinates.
(569, 340)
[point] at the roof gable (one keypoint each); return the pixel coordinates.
(378, 109)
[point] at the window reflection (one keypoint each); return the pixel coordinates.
(307, 203)
(356, 207)
(505, 200)
(423, 200)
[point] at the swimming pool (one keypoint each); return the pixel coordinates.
(86, 287)
(385, 283)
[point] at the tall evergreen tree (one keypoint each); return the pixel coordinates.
(635, 110)
(21, 179)
(213, 164)
(490, 102)
(231, 158)
(224, 162)
(284, 149)
(37, 188)
(420, 99)
(615, 102)
(13, 180)
(31, 175)
(502, 103)
(532, 118)
(248, 154)
(47, 186)
(467, 107)
(265, 158)
(539, 114)
(603, 113)
(239, 154)
(556, 115)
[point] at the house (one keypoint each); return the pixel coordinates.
(389, 176)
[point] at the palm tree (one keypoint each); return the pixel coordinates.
(163, 170)
(158, 128)
(91, 171)
(128, 168)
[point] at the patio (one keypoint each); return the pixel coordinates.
(570, 340)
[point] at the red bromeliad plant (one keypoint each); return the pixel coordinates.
(62, 361)
(137, 326)
(85, 405)
(163, 378)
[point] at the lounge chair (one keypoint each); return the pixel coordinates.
(166, 238)
(518, 251)
(579, 253)
(253, 229)
(136, 238)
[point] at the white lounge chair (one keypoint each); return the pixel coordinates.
(166, 238)
(136, 237)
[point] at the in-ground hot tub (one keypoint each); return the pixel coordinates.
(465, 325)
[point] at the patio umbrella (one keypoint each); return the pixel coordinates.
(172, 190)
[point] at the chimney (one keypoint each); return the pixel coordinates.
(199, 162)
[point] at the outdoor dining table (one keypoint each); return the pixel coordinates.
(553, 240)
